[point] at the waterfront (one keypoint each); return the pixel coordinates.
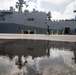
(35, 57)
(51, 37)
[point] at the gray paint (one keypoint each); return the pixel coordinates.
(16, 28)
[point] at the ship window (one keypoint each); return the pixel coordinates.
(3, 19)
(6, 12)
(19, 27)
(30, 19)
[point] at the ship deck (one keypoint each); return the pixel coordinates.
(64, 38)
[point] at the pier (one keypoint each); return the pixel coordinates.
(64, 38)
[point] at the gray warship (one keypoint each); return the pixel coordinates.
(27, 22)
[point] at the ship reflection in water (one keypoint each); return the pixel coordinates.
(31, 57)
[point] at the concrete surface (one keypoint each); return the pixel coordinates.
(67, 38)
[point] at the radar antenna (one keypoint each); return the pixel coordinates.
(74, 11)
(49, 16)
(19, 5)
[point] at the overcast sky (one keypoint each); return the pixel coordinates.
(60, 9)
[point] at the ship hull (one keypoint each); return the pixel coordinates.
(17, 28)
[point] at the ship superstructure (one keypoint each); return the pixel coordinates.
(12, 21)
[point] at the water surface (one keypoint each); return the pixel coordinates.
(32, 57)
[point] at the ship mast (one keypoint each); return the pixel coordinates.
(75, 15)
(19, 5)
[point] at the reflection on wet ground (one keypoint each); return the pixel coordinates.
(31, 57)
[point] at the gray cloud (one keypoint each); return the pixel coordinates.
(48, 5)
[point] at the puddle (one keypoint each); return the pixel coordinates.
(32, 57)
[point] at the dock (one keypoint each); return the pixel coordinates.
(64, 38)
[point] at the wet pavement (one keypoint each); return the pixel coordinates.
(32, 57)
(55, 37)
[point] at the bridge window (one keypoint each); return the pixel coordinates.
(5, 12)
(30, 19)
